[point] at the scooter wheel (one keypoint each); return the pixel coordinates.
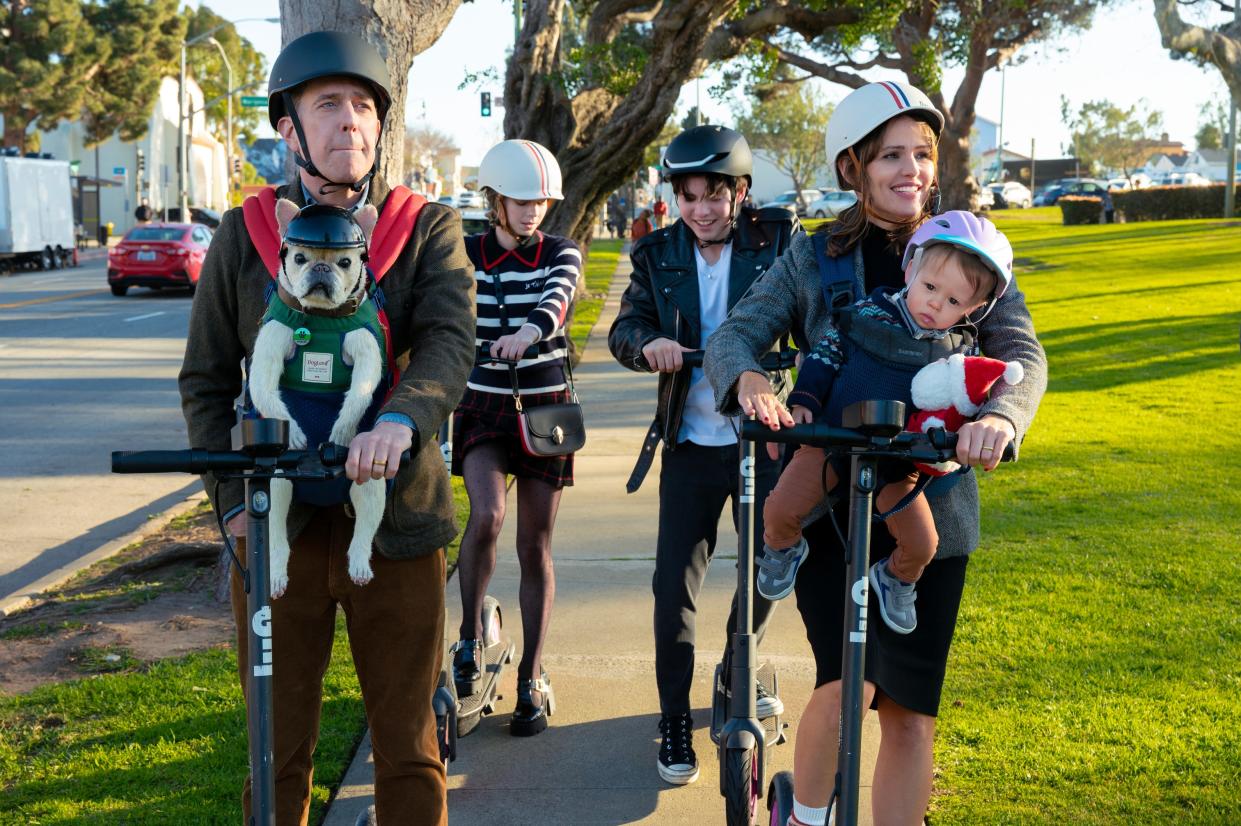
(780, 798)
(741, 786)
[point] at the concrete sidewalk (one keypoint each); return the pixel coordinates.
(596, 762)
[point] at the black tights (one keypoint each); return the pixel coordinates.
(537, 502)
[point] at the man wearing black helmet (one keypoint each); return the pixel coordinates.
(685, 279)
(328, 96)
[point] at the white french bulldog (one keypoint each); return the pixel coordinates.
(324, 280)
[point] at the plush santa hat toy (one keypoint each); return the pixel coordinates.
(950, 391)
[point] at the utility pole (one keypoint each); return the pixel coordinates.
(183, 151)
(999, 149)
(228, 121)
(1032, 162)
(517, 12)
(1230, 187)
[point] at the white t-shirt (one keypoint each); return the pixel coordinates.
(700, 423)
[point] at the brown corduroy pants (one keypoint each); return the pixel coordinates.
(396, 630)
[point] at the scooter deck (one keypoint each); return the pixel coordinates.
(773, 727)
(471, 708)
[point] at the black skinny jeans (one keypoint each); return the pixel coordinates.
(694, 484)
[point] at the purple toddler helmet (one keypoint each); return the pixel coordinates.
(966, 231)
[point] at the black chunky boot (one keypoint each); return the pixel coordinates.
(530, 719)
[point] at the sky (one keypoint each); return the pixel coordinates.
(1119, 59)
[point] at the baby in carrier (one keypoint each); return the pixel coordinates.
(954, 264)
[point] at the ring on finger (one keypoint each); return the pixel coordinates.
(987, 449)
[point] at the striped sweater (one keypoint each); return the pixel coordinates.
(537, 281)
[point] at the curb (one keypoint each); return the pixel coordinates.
(12, 603)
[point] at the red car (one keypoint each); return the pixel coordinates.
(157, 256)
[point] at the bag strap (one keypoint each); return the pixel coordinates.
(502, 306)
(392, 232)
(891, 344)
(837, 278)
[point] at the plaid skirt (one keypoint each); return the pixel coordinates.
(483, 417)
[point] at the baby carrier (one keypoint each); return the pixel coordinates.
(315, 377)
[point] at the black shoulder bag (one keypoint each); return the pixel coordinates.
(548, 429)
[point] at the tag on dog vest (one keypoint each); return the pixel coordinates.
(317, 367)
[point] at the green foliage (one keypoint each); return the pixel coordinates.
(1208, 136)
(204, 64)
(1166, 203)
(1105, 135)
(616, 66)
(1097, 659)
(102, 61)
(787, 121)
(1079, 209)
(143, 38)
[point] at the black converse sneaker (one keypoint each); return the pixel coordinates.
(677, 763)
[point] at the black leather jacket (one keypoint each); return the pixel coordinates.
(662, 297)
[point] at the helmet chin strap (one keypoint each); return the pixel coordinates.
(308, 164)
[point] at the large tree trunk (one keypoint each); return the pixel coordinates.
(599, 137)
(1220, 47)
(399, 29)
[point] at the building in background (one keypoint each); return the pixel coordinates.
(116, 177)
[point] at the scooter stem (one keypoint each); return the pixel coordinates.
(259, 677)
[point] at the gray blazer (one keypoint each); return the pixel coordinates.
(788, 298)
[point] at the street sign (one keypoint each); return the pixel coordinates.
(118, 171)
(254, 101)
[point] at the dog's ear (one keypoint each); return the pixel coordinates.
(367, 217)
(285, 211)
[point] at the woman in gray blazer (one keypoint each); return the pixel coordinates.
(882, 138)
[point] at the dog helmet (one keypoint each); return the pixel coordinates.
(866, 109)
(324, 227)
(521, 170)
(702, 149)
(319, 55)
(966, 231)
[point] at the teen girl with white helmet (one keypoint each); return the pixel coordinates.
(525, 281)
(882, 139)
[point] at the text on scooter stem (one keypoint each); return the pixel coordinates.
(747, 473)
(260, 623)
(860, 591)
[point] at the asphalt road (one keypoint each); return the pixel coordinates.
(82, 373)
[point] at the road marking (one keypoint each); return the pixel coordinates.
(148, 315)
(49, 299)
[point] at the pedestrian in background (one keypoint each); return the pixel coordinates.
(641, 225)
(660, 211)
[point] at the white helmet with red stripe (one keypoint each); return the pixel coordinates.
(866, 109)
(521, 170)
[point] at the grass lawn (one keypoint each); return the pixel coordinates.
(166, 743)
(1095, 677)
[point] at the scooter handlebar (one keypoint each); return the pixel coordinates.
(204, 461)
(935, 445)
(483, 354)
(771, 362)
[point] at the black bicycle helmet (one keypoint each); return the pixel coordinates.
(709, 149)
(326, 54)
(324, 227)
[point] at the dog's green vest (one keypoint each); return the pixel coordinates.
(317, 364)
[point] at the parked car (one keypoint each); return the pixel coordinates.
(1184, 179)
(158, 255)
(986, 198)
(831, 203)
(474, 221)
(795, 202)
(1119, 185)
(1048, 195)
(471, 200)
(198, 215)
(1011, 194)
(446, 200)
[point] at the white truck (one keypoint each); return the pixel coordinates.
(36, 214)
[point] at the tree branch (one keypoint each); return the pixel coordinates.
(828, 72)
(610, 16)
(1221, 48)
(730, 39)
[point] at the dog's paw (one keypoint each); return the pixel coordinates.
(342, 435)
(360, 569)
(279, 584)
(297, 437)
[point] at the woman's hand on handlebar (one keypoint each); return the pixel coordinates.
(756, 398)
(512, 347)
(664, 355)
(801, 415)
(981, 443)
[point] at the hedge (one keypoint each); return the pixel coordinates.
(1164, 203)
(1079, 209)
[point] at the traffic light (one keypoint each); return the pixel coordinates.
(237, 167)
(141, 165)
(485, 103)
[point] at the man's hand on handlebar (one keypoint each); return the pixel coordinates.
(513, 347)
(376, 454)
(664, 355)
(981, 443)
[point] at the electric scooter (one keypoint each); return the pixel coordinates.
(741, 737)
(872, 431)
(262, 455)
(459, 709)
